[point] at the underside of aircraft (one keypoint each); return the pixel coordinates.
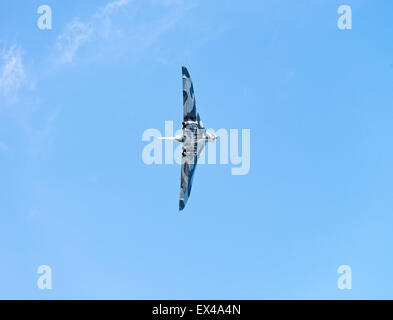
(194, 138)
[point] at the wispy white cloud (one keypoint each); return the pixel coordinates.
(104, 30)
(114, 30)
(12, 72)
(111, 7)
(78, 33)
(75, 35)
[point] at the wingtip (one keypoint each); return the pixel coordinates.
(185, 71)
(181, 205)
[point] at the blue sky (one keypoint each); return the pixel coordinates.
(75, 194)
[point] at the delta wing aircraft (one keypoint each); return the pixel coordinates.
(194, 138)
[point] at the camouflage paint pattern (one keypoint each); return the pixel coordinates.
(194, 138)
